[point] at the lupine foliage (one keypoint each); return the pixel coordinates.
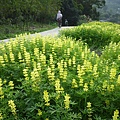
(95, 34)
(45, 78)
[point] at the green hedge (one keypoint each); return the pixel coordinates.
(95, 34)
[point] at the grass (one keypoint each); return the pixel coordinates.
(11, 30)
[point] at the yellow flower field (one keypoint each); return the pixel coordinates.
(58, 79)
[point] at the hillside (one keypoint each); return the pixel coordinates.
(113, 6)
(111, 11)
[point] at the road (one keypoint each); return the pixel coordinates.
(53, 32)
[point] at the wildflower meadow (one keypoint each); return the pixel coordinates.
(60, 78)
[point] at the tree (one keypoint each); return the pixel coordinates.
(73, 9)
(90, 7)
(15, 11)
(70, 12)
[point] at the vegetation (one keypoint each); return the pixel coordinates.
(111, 11)
(17, 11)
(96, 34)
(70, 12)
(44, 11)
(45, 78)
(74, 9)
(12, 30)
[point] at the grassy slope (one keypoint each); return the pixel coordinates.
(10, 31)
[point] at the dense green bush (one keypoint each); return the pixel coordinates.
(95, 34)
(44, 78)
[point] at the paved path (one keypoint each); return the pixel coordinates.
(52, 32)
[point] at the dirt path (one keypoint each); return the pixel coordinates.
(52, 32)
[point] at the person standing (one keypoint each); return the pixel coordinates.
(59, 18)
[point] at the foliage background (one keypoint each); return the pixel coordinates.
(44, 11)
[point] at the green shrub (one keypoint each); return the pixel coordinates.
(44, 78)
(95, 34)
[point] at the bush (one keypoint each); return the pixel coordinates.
(57, 78)
(95, 34)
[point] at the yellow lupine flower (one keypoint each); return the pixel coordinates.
(12, 105)
(43, 48)
(89, 110)
(19, 56)
(62, 63)
(53, 76)
(36, 52)
(1, 82)
(64, 75)
(46, 98)
(61, 72)
(53, 50)
(74, 61)
(35, 77)
(116, 115)
(25, 73)
(47, 119)
(83, 55)
(80, 71)
(5, 81)
(39, 112)
(105, 84)
(11, 85)
(52, 67)
(38, 67)
(81, 82)
(112, 87)
(34, 64)
(87, 65)
(1, 118)
(71, 44)
(27, 57)
(58, 88)
(74, 83)
(67, 101)
(51, 59)
(106, 68)
(69, 62)
(65, 65)
(43, 59)
(91, 83)
(1, 93)
(68, 52)
(9, 45)
(85, 87)
(95, 73)
(57, 85)
(5, 57)
(118, 57)
(86, 49)
(2, 60)
(12, 57)
(118, 80)
(88, 104)
(112, 73)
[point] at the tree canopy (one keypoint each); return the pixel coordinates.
(15, 11)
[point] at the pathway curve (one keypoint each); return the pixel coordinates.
(53, 32)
